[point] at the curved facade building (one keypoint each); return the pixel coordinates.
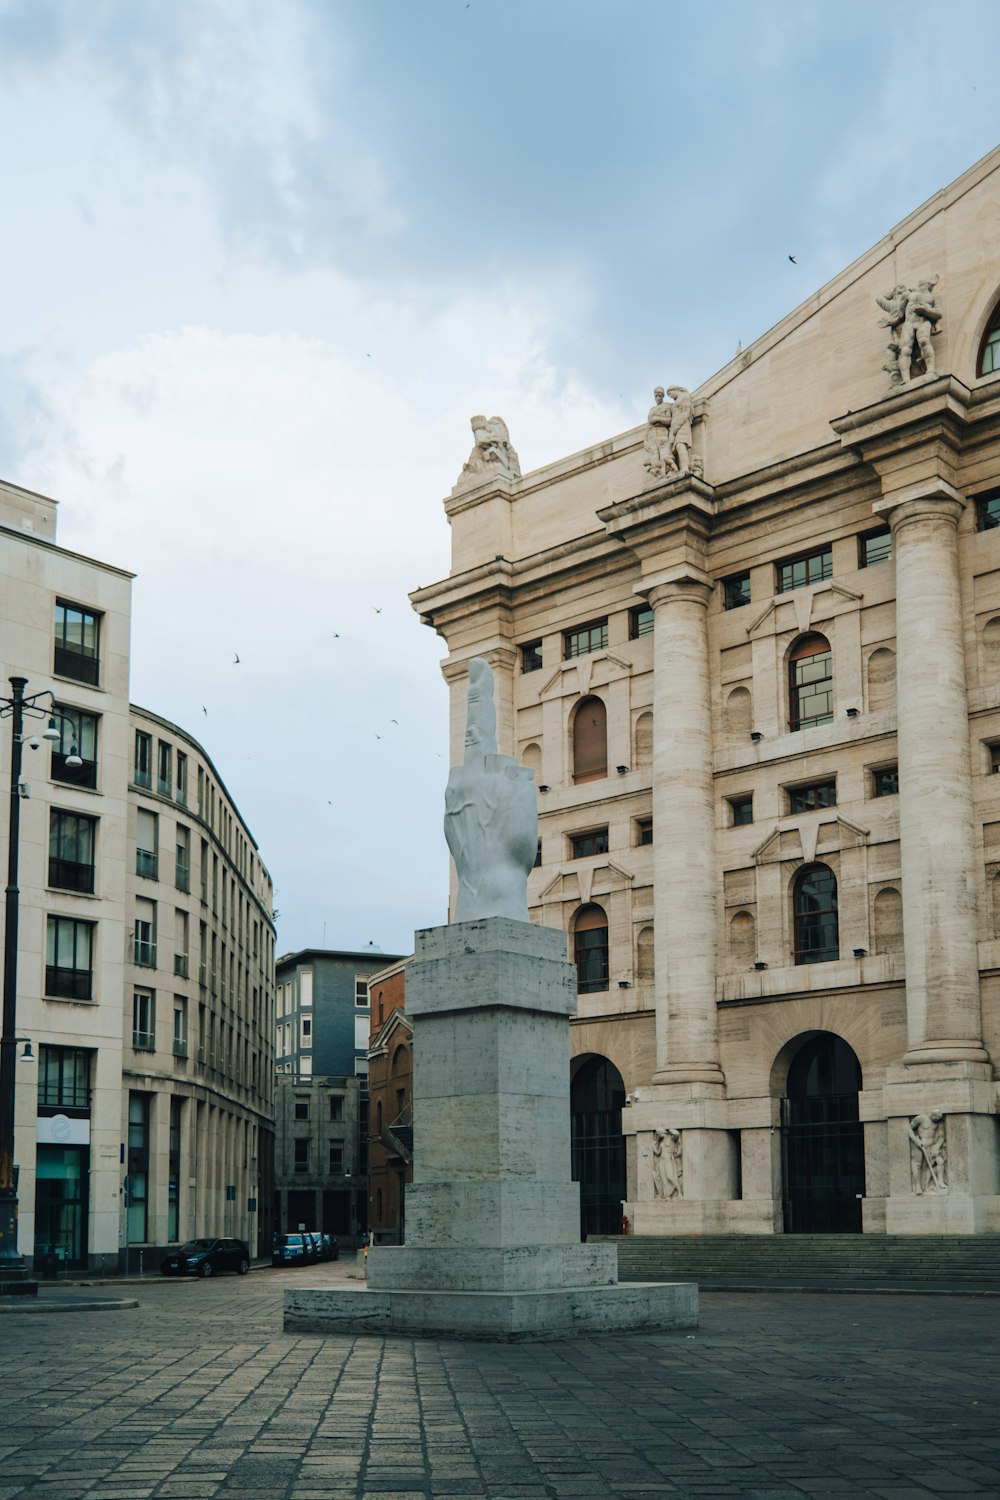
(198, 1061)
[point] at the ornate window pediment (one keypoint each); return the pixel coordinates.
(807, 838)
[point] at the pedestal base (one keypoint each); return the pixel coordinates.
(500, 1317)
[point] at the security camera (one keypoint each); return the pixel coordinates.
(34, 742)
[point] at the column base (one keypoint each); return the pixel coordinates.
(697, 1081)
(945, 1052)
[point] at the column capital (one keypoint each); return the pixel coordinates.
(689, 586)
(936, 498)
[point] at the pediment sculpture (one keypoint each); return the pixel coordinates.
(667, 443)
(492, 455)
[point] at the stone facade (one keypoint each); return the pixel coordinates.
(761, 698)
(390, 1105)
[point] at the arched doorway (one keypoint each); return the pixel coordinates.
(597, 1098)
(822, 1139)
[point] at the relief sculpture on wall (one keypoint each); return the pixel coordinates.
(928, 1153)
(912, 318)
(668, 1164)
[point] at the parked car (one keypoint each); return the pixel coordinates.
(292, 1250)
(329, 1249)
(207, 1258)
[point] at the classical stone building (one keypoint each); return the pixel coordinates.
(145, 941)
(751, 650)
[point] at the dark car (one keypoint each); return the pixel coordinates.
(207, 1258)
(292, 1250)
(329, 1250)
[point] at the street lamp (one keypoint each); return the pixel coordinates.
(13, 1266)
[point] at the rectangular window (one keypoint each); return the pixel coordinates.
(143, 1017)
(585, 638)
(640, 622)
(808, 798)
(204, 872)
(994, 759)
(180, 1026)
(307, 1027)
(360, 991)
(336, 1106)
(182, 859)
(63, 1078)
(644, 830)
(78, 634)
(336, 1156)
(138, 1168)
(798, 572)
(594, 842)
(885, 781)
(69, 958)
(736, 590)
(741, 810)
(531, 657)
(538, 856)
(174, 1175)
(146, 843)
(874, 547)
(145, 933)
(987, 511)
(71, 851)
(591, 960)
(301, 1108)
(164, 768)
(181, 942)
(302, 1154)
(77, 742)
(143, 759)
(182, 777)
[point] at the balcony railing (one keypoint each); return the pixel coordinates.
(146, 863)
(182, 874)
(145, 952)
(75, 664)
(71, 875)
(143, 1041)
(180, 1046)
(68, 984)
(181, 965)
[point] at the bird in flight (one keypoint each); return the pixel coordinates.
(793, 260)
(377, 608)
(236, 658)
(204, 710)
(393, 721)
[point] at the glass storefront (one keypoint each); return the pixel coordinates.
(61, 1174)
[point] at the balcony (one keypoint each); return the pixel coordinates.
(143, 1041)
(68, 984)
(181, 965)
(145, 953)
(180, 1046)
(146, 863)
(71, 875)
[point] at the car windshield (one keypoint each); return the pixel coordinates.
(292, 1239)
(194, 1247)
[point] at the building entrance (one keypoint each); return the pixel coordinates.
(597, 1098)
(822, 1140)
(61, 1205)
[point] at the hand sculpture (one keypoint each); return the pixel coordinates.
(490, 817)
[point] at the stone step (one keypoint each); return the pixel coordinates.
(965, 1258)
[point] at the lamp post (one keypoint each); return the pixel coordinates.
(13, 1266)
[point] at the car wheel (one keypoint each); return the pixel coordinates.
(243, 1267)
(205, 1269)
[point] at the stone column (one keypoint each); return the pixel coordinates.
(935, 783)
(684, 876)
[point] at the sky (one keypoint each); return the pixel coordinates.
(264, 258)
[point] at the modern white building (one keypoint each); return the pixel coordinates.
(145, 933)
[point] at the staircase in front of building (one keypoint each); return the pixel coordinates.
(953, 1261)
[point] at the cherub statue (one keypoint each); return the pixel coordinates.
(491, 454)
(490, 815)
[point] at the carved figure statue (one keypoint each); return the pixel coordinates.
(912, 319)
(491, 454)
(491, 815)
(668, 1164)
(928, 1153)
(667, 443)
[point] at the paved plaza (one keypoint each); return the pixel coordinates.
(198, 1394)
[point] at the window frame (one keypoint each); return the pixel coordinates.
(642, 827)
(988, 509)
(795, 718)
(572, 639)
(60, 865)
(797, 796)
(68, 659)
(866, 538)
(733, 597)
(592, 956)
(83, 726)
(829, 953)
(143, 1010)
(641, 621)
(595, 835)
(58, 984)
(990, 341)
(142, 764)
(878, 772)
(822, 555)
(531, 656)
(736, 806)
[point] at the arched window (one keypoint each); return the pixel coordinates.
(817, 935)
(590, 741)
(989, 350)
(590, 949)
(810, 682)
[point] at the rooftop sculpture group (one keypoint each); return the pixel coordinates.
(492, 455)
(667, 444)
(912, 320)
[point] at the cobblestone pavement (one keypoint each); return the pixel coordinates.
(199, 1395)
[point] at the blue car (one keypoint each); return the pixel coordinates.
(206, 1258)
(292, 1250)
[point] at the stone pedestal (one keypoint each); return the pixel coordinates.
(968, 1199)
(492, 1220)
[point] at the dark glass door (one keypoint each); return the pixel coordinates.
(822, 1139)
(61, 1205)
(597, 1097)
